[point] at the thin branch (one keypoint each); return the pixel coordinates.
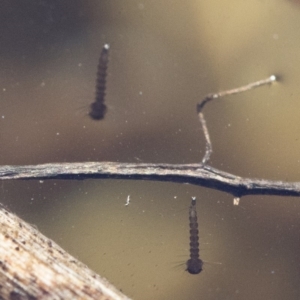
(209, 97)
(208, 144)
(195, 174)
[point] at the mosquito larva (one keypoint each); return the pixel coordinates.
(98, 108)
(194, 264)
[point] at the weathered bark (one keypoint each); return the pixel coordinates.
(34, 267)
(197, 174)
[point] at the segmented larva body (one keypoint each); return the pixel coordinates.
(98, 108)
(194, 264)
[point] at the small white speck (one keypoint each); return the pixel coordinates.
(273, 78)
(140, 93)
(43, 84)
(3, 117)
(57, 133)
(106, 46)
(175, 197)
(193, 198)
(4, 89)
(127, 200)
(236, 200)
(41, 181)
(80, 65)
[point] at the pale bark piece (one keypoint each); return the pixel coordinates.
(34, 267)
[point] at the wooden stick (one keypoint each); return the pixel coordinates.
(196, 174)
(34, 267)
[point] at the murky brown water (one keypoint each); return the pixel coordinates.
(164, 57)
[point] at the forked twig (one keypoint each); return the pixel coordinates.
(198, 174)
(209, 97)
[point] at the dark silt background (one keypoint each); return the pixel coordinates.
(165, 57)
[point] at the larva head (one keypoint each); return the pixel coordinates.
(97, 110)
(194, 266)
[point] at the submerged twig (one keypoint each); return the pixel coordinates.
(209, 97)
(196, 174)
